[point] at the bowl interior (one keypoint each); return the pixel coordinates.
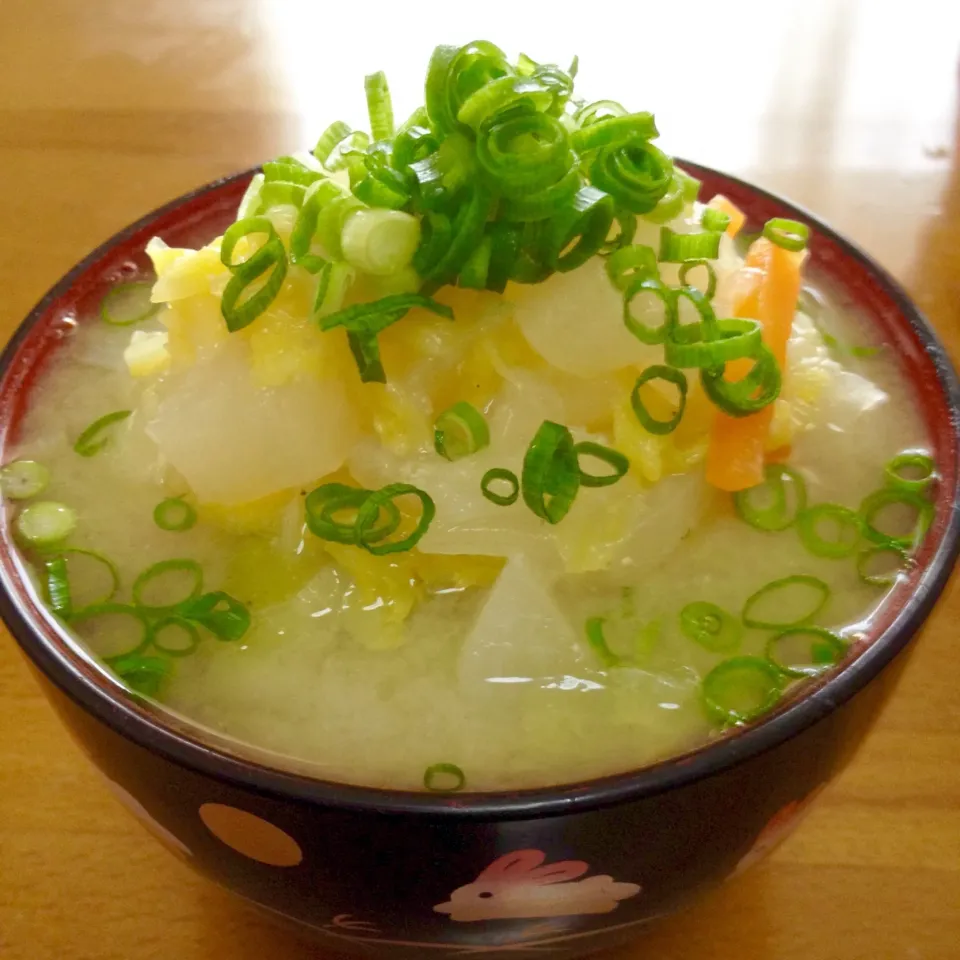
(855, 283)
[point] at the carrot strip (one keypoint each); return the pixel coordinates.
(736, 215)
(735, 456)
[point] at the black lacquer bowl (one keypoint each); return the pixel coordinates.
(555, 872)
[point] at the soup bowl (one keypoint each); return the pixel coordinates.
(558, 872)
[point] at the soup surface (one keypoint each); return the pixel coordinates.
(493, 646)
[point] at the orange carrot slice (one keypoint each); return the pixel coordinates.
(735, 456)
(736, 215)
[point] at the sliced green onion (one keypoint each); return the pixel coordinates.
(656, 287)
(779, 591)
(250, 204)
(741, 689)
(330, 139)
(711, 342)
(444, 778)
(498, 96)
(224, 616)
(145, 587)
(383, 188)
(370, 512)
(278, 193)
(335, 280)
(867, 558)
(579, 231)
(380, 242)
(112, 574)
(671, 204)
(668, 375)
(160, 631)
(598, 644)
(891, 496)
(805, 651)
(460, 431)
(380, 314)
(614, 131)
(238, 305)
(500, 475)
(119, 639)
(790, 234)
(710, 626)
(363, 321)
(323, 504)
(626, 231)
(630, 264)
(846, 528)
(379, 105)
(92, 440)
(144, 675)
(689, 265)
(637, 175)
(597, 111)
(679, 247)
(900, 468)
(550, 478)
(741, 398)
(46, 522)
(290, 170)
(715, 220)
(475, 271)
(467, 231)
(128, 303)
(529, 207)
(23, 479)
(58, 587)
(607, 455)
(766, 506)
(174, 514)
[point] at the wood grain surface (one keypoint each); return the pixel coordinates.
(111, 107)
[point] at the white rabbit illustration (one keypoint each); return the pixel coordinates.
(518, 887)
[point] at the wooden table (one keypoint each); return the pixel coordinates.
(111, 107)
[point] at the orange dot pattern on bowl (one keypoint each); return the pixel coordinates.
(251, 835)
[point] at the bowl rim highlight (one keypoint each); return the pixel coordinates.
(50, 649)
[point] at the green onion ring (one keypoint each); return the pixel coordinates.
(23, 479)
(679, 247)
(587, 221)
(129, 303)
(110, 566)
(370, 511)
(500, 474)
(158, 570)
(119, 609)
(550, 470)
(460, 431)
(785, 583)
(734, 677)
(143, 675)
(629, 264)
(326, 501)
(158, 626)
(444, 769)
(777, 516)
(911, 459)
(710, 626)
(626, 231)
(614, 132)
(174, 514)
(826, 650)
(670, 375)
(598, 644)
(715, 220)
(885, 579)
(653, 285)
(58, 587)
(712, 342)
(379, 106)
(92, 440)
(224, 616)
(607, 455)
(637, 175)
(689, 265)
(845, 519)
(792, 235)
(876, 501)
(271, 257)
(741, 398)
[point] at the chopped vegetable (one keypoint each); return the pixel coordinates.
(23, 479)
(460, 431)
(45, 523)
(92, 440)
(500, 475)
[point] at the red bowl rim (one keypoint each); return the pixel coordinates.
(136, 720)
